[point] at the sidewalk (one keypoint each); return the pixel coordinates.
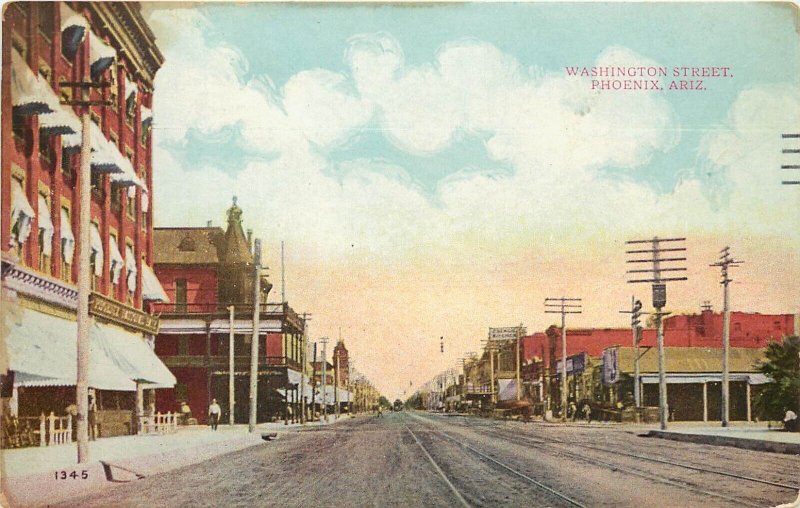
(750, 436)
(43, 475)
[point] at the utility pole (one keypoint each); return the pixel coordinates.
(336, 387)
(519, 383)
(303, 354)
(653, 257)
(231, 391)
(636, 329)
(314, 382)
(84, 263)
(324, 341)
(725, 262)
(490, 348)
(254, 344)
(562, 305)
(283, 276)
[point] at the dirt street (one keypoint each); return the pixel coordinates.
(420, 459)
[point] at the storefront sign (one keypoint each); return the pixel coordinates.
(122, 314)
(610, 366)
(508, 333)
(576, 364)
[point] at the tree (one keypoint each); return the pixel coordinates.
(782, 366)
(384, 402)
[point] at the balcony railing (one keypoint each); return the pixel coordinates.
(241, 363)
(241, 310)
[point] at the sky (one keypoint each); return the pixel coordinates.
(434, 171)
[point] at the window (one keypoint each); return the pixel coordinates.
(183, 345)
(180, 295)
(67, 168)
(45, 234)
(46, 18)
(46, 152)
(115, 199)
(67, 245)
(97, 185)
(19, 126)
(181, 393)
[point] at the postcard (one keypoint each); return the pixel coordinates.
(400, 254)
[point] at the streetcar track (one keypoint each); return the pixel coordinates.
(551, 441)
(683, 484)
(657, 460)
(496, 462)
(438, 469)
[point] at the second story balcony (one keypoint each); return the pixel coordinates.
(214, 310)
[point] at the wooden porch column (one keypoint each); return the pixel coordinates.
(705, 401)
(749, 408)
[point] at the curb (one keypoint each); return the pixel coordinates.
(735, 442)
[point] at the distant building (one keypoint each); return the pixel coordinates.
(205, 271)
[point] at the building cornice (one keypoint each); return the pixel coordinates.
(133, 37)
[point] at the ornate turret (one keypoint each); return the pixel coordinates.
(236, 261)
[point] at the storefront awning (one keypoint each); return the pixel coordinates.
(508, 389)
(28, 95)
(710, 377)
(131, 354)
(294, 377)
(21, 212)
(73, 29)
(42, 349)
(45, 226)
(101, 56)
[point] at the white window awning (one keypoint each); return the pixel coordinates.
(146, 117)
(131, 354)
(130, 88)
(151, 287)
(145, 200)
(73, 29)
(293, 376)
(21, 213)
(42, 349)
(106, 157)
(62, 120)
(67, 237)
(45, 226)
(101, 56)
(28, 95)
(508, 389)
(97, 250)
(130, 268)
(116, 260)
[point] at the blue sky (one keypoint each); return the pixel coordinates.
(280, 40)
(435, 160)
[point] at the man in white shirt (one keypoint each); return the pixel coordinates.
(790, 420)
(214, 413)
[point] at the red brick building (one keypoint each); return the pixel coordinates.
(542, 351)
(205, 271)
(45, 44)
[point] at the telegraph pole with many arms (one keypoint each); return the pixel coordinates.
(654, 258)
(725, 262)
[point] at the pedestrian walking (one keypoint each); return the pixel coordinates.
(587, 412)
(790, 421)
(213, 413)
